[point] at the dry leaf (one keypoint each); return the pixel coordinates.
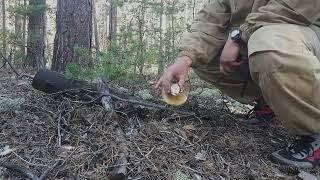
(6, 150)
(201, 156)
(188, 127)
(183, 134)
(196, 176)
(68, 148)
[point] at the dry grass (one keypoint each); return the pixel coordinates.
(52, 128)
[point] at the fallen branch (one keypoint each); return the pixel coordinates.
(103, 89)
(46, 173)
(55, 83)
(27, 172)
(8, 62)
(120, 170)
(3, 65)
(151, 105)
(122, 160)
(22, 170)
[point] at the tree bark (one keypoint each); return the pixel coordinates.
(4, 42)
(160, 63)
(74, 30)
(36, 32)
(17, 21)
(113, 14)
(18, 33)
(96, 30)
(24, 30)
(141, 24)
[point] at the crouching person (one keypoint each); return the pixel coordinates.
(262, 50)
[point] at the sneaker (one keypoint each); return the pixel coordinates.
(303, 153)
(259, 115)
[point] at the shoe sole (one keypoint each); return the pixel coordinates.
(277, 159)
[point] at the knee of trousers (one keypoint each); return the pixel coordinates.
(292, 92)
(288, 74)
(272, 48)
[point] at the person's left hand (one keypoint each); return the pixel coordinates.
(230, 57)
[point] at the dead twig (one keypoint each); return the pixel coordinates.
(106, 95)
(22, 170)
(189, 168)
(9, 63)
(148, 104)
(46, 173)
(27, 162)
(59, 130)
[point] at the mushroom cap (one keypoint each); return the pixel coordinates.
(176, 97)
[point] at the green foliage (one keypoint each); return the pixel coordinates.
(80, 72)
(116, 62)
(27, 10)
(118, 3)
(75, 71)
(83, 53)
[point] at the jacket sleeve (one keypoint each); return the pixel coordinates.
(298, 12)
(207, 34)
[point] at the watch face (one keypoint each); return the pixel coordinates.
(235, 33)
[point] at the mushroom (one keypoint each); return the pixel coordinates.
(176, 96)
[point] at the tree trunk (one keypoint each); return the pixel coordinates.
(173, 37)
(96, 30)
(36, 32)
(17, 21)
(18, 33)
(141, 57)
(24, 31)
(113, 14)
(141, 23)
(74, 32)
(167, 39)
(160, 64)
(4, 42)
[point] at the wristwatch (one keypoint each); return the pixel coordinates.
(235, 36)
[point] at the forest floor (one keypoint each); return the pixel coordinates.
(76, 140)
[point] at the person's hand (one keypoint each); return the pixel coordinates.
(177, 71)
(230, 57)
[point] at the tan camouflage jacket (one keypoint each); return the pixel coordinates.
(210, 28)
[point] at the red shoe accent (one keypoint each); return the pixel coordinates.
(265, 110)
(315, 155)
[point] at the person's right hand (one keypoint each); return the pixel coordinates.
(177, 71)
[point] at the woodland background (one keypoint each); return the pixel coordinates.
(53, 136)
(120, 38)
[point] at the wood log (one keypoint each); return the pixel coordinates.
(52, 82)
(120, 170)
(104, 91)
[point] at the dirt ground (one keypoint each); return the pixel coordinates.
(161, 144)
